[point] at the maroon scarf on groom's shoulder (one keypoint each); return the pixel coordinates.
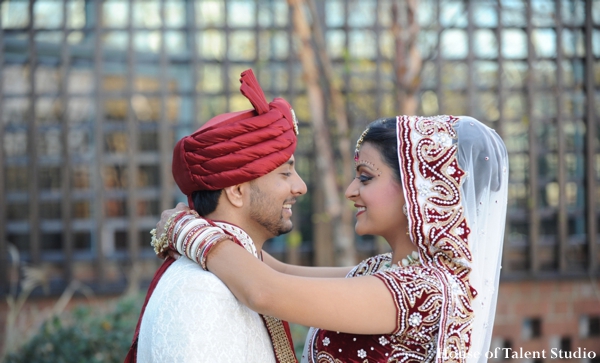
(132, 354)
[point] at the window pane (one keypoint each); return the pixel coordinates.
(49, 143)
(361, 13)
(513, 13)
(15, 14)
(454, 44)
(543, 13)
(335, 44)
(76, 14)
(485, 44)
(212, 44)
(334, 13)
(47, 13)
(453, 13)
(544, 42)
(210, 13)
(362, 44)
(115, 13)
(147, 41)
(15, 79)
(485, 14)
(487, 106)
(514, 44)
(16, 111)
(146, 14)
(15, 143)
(573, 11)
(515, 74)
(115, 40)
(242, 46)
(241, 13)
(573, 43)
(486, 74)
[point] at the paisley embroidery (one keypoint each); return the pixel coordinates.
(428, 159)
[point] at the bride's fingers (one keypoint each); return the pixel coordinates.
(166, 214)
(174, 255)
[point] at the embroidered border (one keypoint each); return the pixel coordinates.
(281, 342)
(242, 237)
(431, 180)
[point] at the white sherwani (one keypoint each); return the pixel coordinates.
(193, 317)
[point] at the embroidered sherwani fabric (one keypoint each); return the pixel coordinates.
(194, 239)
(193, 317)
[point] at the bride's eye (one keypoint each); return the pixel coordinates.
(364, 178)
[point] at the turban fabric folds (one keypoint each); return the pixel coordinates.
(237, 147)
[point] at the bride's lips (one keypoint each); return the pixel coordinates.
(360, 209)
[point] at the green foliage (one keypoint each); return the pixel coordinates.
(84, 336)
(298, 336)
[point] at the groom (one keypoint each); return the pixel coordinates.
(237, 171)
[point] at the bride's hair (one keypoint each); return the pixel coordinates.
(382, 135)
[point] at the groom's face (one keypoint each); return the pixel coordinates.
(272, 197)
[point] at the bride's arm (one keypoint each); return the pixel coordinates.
(306, 271)
(361, 305)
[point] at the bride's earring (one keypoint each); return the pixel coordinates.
(405, 211)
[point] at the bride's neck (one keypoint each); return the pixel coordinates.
(402, 247)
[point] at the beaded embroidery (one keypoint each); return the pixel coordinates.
(431, 180)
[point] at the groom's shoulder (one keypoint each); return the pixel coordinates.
(188, 277)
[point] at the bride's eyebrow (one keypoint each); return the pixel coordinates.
(366, 164)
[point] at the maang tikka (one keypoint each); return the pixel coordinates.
(358, 143)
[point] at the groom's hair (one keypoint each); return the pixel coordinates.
(206, 201)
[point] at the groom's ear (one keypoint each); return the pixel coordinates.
(236, 194)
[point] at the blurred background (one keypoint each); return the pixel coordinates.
(94, 94)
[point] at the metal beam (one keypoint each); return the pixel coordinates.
(534, 216)
(591, 147)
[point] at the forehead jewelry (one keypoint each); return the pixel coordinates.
(358, 143)
(371, 165)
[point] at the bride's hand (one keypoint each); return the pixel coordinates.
(160, 227)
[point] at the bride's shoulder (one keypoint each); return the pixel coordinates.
(371, 265)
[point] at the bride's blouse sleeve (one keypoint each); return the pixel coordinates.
(418, 296)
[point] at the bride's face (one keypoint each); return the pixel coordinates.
(377, 195)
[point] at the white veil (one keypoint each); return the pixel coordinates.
(454, 173)
(482, 154)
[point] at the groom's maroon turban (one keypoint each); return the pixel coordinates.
(237, 147)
